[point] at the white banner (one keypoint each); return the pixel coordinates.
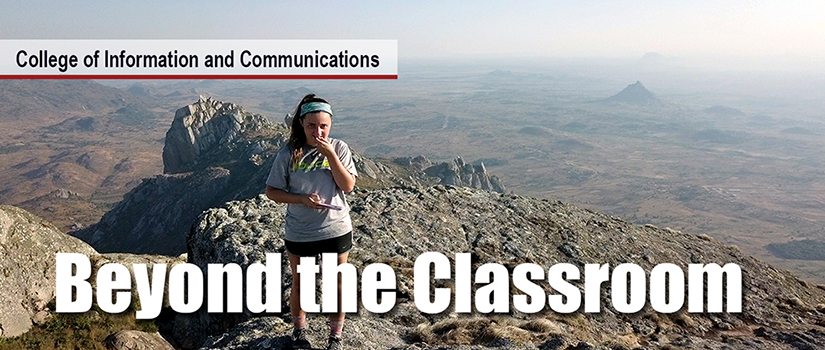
(198, 59)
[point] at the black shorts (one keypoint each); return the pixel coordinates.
(340, 245)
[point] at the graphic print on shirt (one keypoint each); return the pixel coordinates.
(315, 163)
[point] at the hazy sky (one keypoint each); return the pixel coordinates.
(786, 32)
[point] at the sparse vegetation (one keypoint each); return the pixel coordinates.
(76, 331)
(484, 331)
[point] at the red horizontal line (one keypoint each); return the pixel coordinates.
(193, 76)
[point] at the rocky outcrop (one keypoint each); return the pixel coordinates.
(61, 193)
(396, 225)
(459, 173)
(136, 340)
(27, 268)
(155, 217)
(273, 333)
(241, 234)
(203, 126)
(418, 163)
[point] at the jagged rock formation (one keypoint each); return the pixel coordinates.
(459, 173)
(202, 127)
(635, 94)
(396, 225)
(27, 265)
(379, 173)
(418, 163)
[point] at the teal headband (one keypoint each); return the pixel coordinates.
(316, 107)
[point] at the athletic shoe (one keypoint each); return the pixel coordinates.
(299, 339)
(335, 343)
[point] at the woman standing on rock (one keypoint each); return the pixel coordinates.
(312, 173)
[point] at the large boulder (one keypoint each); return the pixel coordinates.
(27, 267)
(241, 232)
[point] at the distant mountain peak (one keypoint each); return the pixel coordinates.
(635, 94)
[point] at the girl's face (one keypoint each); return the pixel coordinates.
(316, 124)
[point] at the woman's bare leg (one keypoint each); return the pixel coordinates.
(298, 315)
(336, 320)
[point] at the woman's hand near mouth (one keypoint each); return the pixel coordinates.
(324, 147)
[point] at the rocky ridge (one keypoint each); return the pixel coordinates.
(397, 224)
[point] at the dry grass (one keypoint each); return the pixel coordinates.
(578, 324)
(626, 341)
(76, 331)
(482, 331)
(543, 326)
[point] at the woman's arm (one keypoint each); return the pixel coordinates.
(342, 177)
(281, 196)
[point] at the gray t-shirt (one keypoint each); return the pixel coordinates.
(313, 175)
